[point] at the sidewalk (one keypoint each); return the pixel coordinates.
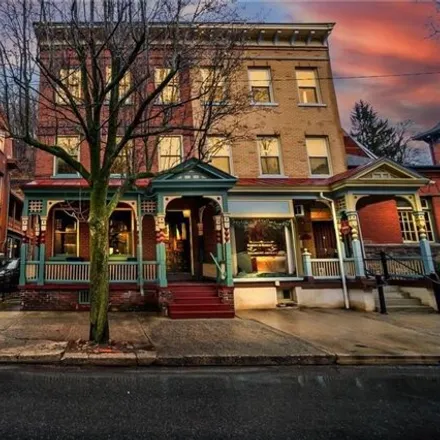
(261, 337)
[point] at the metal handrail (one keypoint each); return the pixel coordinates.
(222, 272)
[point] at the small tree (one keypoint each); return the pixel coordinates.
(88, 68)
(379, 136)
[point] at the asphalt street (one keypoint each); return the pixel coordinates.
(220, 403)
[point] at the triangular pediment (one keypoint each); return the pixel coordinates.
(385, 169)
(193, 174)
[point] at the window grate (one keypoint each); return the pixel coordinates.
(84, 297)
(35, 206)
(148, 207)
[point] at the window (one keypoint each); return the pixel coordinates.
(261, 246)
(269, 150)
(261, 85)
(123, 164)
(170, 94)
(381, 175)
(120, 233)
(124, 84)
(219, 153)
(213, 86)
(307, 86)
(317, 151)
(2, 142)
(71, 144)
(71, 78)
(65, 235)
(170, 152)
(407, 222)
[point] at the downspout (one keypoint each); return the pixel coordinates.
(339, 249)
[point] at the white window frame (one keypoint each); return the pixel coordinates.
(56, 159)
(271, 94)
(60, 96)
(330, 170)
(406, 214)
(125, 82)
(226, 144)
(280, 159)
(317, 87)
(221, 83)
(128, 145)
(160, 155)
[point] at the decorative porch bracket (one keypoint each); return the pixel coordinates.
(356, 244)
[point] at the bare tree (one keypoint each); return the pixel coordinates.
(114, 76)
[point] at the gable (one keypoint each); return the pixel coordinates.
(385, 169)
(384, 173)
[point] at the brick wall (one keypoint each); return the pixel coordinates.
(380, 222)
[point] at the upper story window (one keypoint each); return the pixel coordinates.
(72, 145)
(219, 152)
(124, 162)
(317, 151)
(71, 79)
(65, 240)
(124, 84)
(213, 88)
(170, 94)
(308, 86)
(170, 152)
(261, 85)
(2, 142)
(269, 150)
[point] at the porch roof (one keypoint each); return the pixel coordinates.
(74, 183)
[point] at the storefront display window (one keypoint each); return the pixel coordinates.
(262, 247)
(120, 233)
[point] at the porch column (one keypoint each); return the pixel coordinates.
(140, 247)
(219, 245)
(307, 264)
(160, 250)
(228, 250)
(42, 249)
(23, 248)
(425, 247)
(356, 244)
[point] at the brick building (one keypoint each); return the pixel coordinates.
(272, 218)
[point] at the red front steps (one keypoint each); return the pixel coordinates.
(192, 301)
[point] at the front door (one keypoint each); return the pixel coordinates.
(325, 239)
(178, 243)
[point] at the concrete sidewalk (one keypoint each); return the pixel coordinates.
(266, 337)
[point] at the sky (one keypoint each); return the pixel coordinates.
(374, 38)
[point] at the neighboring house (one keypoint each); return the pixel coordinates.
(398, 234)
(257, 221)
(11, 202)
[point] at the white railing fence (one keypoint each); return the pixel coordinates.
(31, 271)
(349, 268)
(325, 268)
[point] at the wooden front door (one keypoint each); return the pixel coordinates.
(325, 239)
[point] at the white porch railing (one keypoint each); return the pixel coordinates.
(79, 271)
(31, 271)
(349, 268)
(149, 268)
(325, 268)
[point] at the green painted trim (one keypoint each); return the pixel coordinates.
(140, 247)
(42, 253)
(228, 258)
(161, 265)
(219, 258)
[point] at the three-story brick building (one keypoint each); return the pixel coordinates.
(270, 218)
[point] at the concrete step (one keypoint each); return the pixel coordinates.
(202, 307)
(182, 314)
(400, 301)
(418, 309)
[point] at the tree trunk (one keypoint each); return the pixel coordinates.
(99, 271)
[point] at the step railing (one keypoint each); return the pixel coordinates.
(395, 267)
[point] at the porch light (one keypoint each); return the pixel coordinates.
(187, 213)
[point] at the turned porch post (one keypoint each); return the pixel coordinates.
(228, 251)
(140, 246)
(160, 250)
(23, 248)
(425, 247)
(356, 244)
(218, 227)
(42, 248)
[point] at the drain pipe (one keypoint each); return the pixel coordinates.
(339, 249)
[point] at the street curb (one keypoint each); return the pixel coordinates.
(388, 359)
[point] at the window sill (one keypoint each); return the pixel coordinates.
(216, 104)
(66, 176)
(265, 104)
(272, 176)
(318, 104)
(320, 176)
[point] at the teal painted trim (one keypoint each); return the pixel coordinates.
(42, 253)
(161, 264)
(228, 258)
(140, 247)
(23, 248)
(425, 251)
(358, 259)
(219, 258)
(66, 176)
(307, 264)
(160, 203)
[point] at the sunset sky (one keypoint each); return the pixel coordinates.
(374, 38)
